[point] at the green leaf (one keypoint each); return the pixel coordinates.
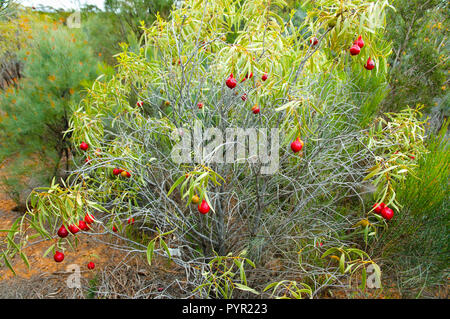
(150, 248)
(164, 245)
(178, 182)
(8, 264)
(49, 249)
(342, 263)
(246, 288)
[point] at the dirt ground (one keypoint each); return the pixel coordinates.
(113, 276)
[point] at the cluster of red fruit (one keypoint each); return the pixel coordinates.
(383, 210)
(84, 147)
(356, 48)
(73, 228)
(121, 172)
(231, 82)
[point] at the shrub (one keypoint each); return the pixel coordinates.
(415, 245)
(419, 63)
(299, 216)
(35, 115)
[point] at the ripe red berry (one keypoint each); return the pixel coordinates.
(297, 145)
(73, 229)
(387, 213)
(203, 208)
(378, 208)
(355, 49)
(264, 76)
(125, 174)
(114, 229)
(131, 221)
(140, 103)
(88, 160)
(117, 171)
(255, 109)
(82, 225)
(84, 146)
(160, 289)
(313, 41)
(231, 82)
(62, 232)
(91, 265)
(89, 219)
(244, 97)
(247, 77)
(359, 42)
(58, 257)
(370, 64)
(200, 105)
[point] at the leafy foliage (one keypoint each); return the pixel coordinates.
(35, 114)
(418, 68)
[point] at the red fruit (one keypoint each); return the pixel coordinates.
(117, 171)
(131, 221)
(378, 208)
(231, 82)
(355, 49)
(62, 232)
(264, 76)
(58, 257)
(255, 109)
(125, 174)
(89, 219)
(91, 265)
(247, 77)
(203, 208)
(114, 229)
(200, 105)
(160, 289)
(84, 146)
(387, 213)
(87, 160)
(313, 41)
(74, 229)
(370, 64)
(244, 97)
(140, 103)
(297, 145)
(82, 225)
(359, 42)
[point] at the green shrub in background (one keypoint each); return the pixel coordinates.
(130, 13)
(35, 115)
(415, 245)
(419, 63)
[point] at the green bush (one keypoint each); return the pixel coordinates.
(419, 63)
(35, 115)
(415, 244)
